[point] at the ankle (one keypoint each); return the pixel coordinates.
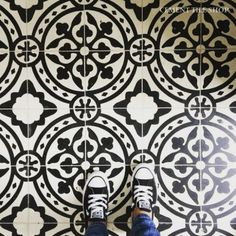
(138, 211)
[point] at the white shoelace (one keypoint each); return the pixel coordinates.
(143, 193)
(97, 203)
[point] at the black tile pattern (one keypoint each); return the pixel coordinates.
(102, 84)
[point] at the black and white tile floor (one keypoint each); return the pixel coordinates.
(103, 84)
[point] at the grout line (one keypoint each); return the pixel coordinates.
(104, 110)
(85, 92)
(117, 108)
(121, 50)
(126, 165)
(142, 125)
(28, 117)
(200, 120)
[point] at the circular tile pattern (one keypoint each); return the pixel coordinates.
(26, 51)
(85, 108)
(76, 151)
(142, 50)
(94, 62)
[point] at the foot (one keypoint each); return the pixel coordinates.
(144, 189)
(96, 197)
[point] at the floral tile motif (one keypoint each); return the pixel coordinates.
(61, 74)
(145, 99)
(218, 73)
(41, 13)
(218, 24)
(104, 34)
(106, 70)
(116, 15)
(218, 171)
(180, 30)
(178, 75)
(25, 99)
(104, 85)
